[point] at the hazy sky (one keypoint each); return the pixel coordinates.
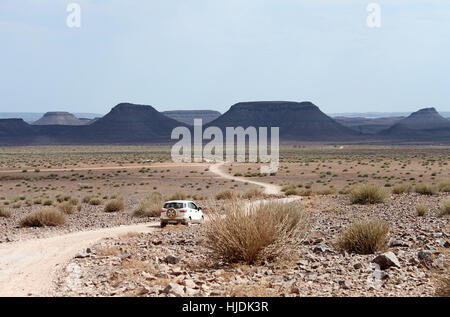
(210, 54)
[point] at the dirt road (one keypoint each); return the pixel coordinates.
(269, 189)
(27, 268)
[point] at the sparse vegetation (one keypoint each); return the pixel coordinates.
(66, 208)
(178, 196)
(402, 188)
(445, 206)
(364, 237)
(43, 217)
(421, 210)
(368, 194)
(262, 232)
(5, 212)
(115, 205)
(225, 195)
(150, 206)
(426, 189)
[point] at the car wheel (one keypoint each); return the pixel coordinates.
(163, 224)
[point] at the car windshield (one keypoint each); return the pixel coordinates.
(173, 205)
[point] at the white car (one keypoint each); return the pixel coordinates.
(181, 211)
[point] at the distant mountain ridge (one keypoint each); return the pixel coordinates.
(128, 123)
(296, 120)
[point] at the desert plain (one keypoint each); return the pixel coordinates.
(102, 235)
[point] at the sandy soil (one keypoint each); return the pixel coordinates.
(27, 268)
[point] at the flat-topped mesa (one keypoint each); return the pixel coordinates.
(188, 116)
(296, 120)
(59, 118)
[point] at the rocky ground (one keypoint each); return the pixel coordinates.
(176, 261)
(89, 217)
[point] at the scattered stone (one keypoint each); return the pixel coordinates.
(386, 260)
(171, 259)
(82, 255)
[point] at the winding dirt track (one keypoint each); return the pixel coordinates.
(269, 189)
(27, 268)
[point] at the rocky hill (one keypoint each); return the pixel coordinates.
(188, 116)
(424, 125)
(297, 120)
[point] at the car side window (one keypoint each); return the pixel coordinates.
(193, 206)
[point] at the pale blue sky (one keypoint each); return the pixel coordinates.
(210, 54)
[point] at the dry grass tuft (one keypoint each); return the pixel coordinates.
(444, 186)
(443, 286)
(5, 212)
(262, 231)
(66, 208)
(150, 206)
(421, 210)
(364, 237)
(95, 201)
(115, 205)
(225, 195)
(43, 217)
(368, 194)
(253, 193)
(178, 196)
(402, 188)
(426, 189)
(445, 206)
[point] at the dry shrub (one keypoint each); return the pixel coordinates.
(261, 231)
(445, 206)
(290, 190)
(115, 205)
(43, 217)
(306, 192)
(364, 237)
(5, 212)
(253, 193)
(426, 189)
(443, 286)
(199, 197)
(402, 188)
(178, 195)
(368, 194)
(225, 195)
(326, 191)
(66, 208)
(73, 201)
(87, 199)
(421, 210)
(444, 186)
(150, 206)
(95, 201)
